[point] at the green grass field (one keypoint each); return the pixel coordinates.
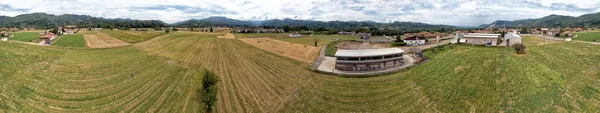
(588, 36)
(560, 77)
(25, 37)
(132, 36)
(70, 41)
(305, 39)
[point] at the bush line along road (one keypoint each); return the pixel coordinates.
(167, 69)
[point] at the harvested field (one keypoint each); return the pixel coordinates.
(356, 45)
(132, 36)
(298, 52)
(100, 40)
(227, 36)
(56, 79)
(305, 39)
(550, 78)
(252, 80)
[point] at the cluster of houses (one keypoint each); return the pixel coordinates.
(14, 29)
(422, 37)
(256, 30)
(567, 32)
(4, 36)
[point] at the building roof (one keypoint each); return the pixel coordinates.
(483, 34)
(511, 36)
(479, 36)
(368, 52)
(414, 38)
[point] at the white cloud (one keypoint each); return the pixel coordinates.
(451, 12)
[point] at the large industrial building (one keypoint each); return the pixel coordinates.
(368, 59)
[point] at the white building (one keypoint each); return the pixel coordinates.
(415, 40)
(368, 59)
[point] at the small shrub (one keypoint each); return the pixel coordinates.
(519, 48)
(394, 43)
(209, 83)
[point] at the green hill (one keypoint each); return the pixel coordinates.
(588, 20)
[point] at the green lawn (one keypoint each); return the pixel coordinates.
(588, 36)
(331, 48)
(25, 37)
(305, 39)
(132, 36)
(70, 41)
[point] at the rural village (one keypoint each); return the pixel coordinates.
(225, 65)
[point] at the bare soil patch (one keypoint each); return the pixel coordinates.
(355, 45)
(227, 36)
(100, 40)
(298, 52)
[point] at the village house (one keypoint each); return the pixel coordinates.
(414, 40)
(47, 37)
(14, 29)
(4, 36)
(552, 32)
(295, 35)
(257, 30)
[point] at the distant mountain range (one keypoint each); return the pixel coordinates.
(588, 20)
(43, 20)
(223, 21)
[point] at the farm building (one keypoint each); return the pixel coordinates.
(295, 35)
(47, 37)
(481, 38)
(511, 39)
(368, 59)
(4, 36)
(414, 40)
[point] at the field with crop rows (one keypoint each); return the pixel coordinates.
(556, 77)
(305, 39)
(50, 79)
(133, 36)
(101, 40)
(75, 40)
(252, 80)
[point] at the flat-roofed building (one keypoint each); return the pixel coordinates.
(368, 59)
(481, 38)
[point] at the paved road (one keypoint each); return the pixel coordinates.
(321, 57)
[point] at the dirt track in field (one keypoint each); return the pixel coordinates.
(298, 52)
(100, 40)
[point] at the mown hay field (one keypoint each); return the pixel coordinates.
(55, 79)
(298, 52)
(304, 40)
(133, 36)
(101, 40)
(557, 77)
(551, 78)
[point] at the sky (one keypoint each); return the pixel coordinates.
(448, 12)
